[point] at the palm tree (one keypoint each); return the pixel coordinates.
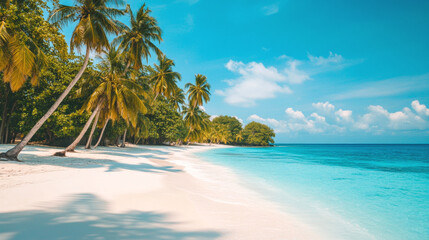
(220, 133)
(163, 78)
(111, 63)
(20, 56)
(138, 40)
(239, 137)
(196, 122)
(177, 98)
(94, 21)
(94, 126)
(106, 121)
(119, 96)
(71, 147)
(199, 92)
(142, 128)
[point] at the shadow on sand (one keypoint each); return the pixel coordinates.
(89, 160)
(84, 216)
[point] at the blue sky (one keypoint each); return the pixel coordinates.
(316, 71)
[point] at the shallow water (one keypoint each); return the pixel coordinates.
(354, 191)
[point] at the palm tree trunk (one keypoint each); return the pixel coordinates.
(13, 153)
(94, 125)
(101, 134)
(3, 118)
(6, 138)
(123, 138)
(72, 146)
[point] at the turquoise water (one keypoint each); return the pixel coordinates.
(377, 191)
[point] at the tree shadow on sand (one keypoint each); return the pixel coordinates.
(91, 161)
(84, 216)
(108, 164)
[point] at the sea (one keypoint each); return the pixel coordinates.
(353, 191)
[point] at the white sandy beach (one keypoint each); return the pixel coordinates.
(138, 192)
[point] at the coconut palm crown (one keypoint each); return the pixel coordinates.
(94, 21)
(163, 78)
(139, 39)
(199, 92)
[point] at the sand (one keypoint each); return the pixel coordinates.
(138, 192)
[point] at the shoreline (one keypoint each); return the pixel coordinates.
(174, 193)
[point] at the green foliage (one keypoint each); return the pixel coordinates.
(138, 40)
(258, 134)
(220, 133)
(197, 122)
(144, 100)
(199, 92)
(31, 103)
(95, 20)
(232, 125)
(162, 77)
(25, 40)
(166, 124)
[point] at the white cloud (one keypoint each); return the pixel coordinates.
(295, 122)
(327, 109)
(420, 108)
(344, 115)
(278, 126)
(324, 107)
(284, 56)
(376, 121)
(294, 114)
(293, 74)
(379, 119)
(270, 9)
(332, 58)
(318, 117)
(255, 82)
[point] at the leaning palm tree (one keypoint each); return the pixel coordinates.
(94, 21)
(106, 121)
(140, 38)
(120, 95)
(199, 92)
(163, 78)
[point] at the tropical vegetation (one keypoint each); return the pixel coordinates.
(53, 96)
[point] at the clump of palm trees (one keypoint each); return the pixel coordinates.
(94, 20)
(121, 89)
